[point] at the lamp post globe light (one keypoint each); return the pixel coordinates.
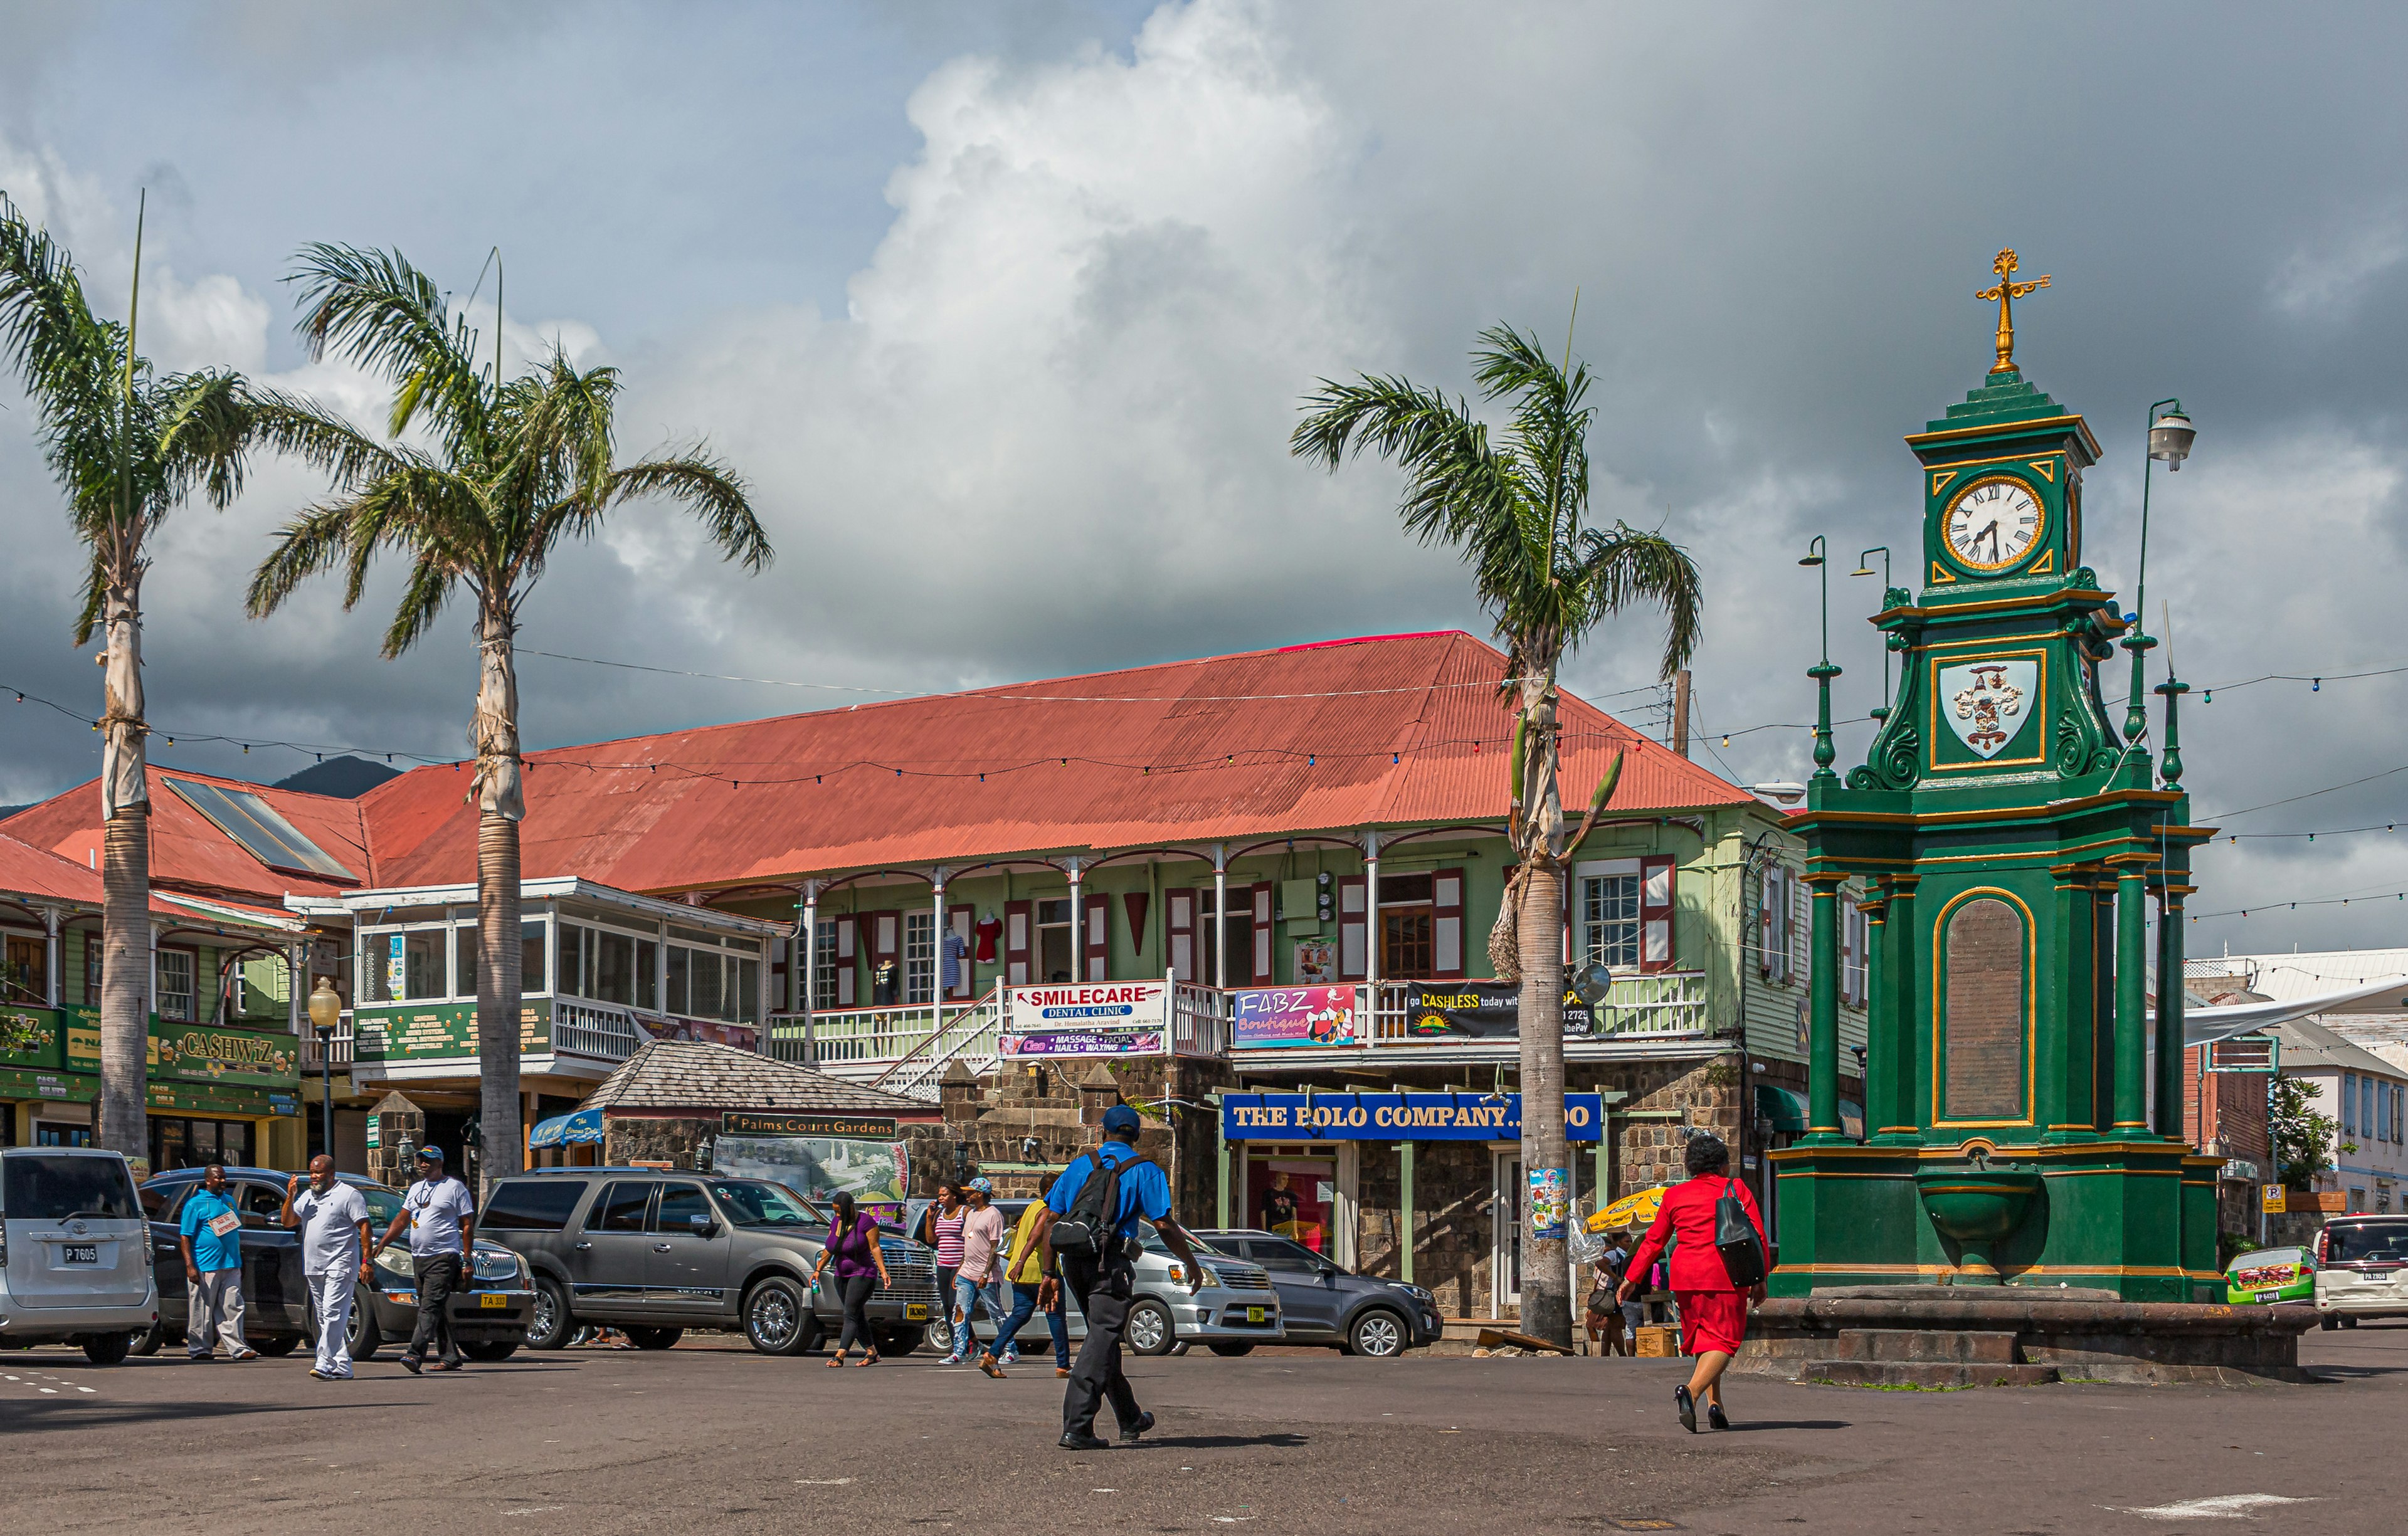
(2171, 434)
(325, 1012)
(1864, 568)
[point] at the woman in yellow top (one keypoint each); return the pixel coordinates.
(1021, 1268)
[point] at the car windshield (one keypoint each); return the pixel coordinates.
(382, 1204)
(2381, 1242)
(42, 1189)
(2265, 1258)
(1154, 1244)
(758, 1202)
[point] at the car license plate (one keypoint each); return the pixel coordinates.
(492, 1301)
(2269, 1296)
(79, 1253)
(915, 1311)
(1258, 1314)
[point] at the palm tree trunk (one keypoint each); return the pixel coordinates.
(501, 805)
(126, 963)
(1546, 1281)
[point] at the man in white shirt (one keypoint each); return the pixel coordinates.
(442, 1224)
(334, 1222)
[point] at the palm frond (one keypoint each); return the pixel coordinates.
(389, 317)
(707, 488)
(1622, 565)
(304, 429)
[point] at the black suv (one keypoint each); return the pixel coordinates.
(1322, 1303)
(656, 1253)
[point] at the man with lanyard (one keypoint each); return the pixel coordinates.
(1105, 1282)
(334, 1222)
(442, 1225)
(209, 1231)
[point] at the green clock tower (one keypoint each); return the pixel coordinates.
(2013, 837)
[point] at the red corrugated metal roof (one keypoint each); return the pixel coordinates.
(28, 871)
(1380, 731)
(188, 852)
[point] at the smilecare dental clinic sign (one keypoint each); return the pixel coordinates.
(1099, 1005)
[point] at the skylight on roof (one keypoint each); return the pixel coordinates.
(260, 829)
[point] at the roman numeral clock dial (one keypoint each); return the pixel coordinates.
(1993, 523)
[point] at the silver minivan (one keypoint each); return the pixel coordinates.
(75, 1252)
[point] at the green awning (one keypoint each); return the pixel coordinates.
(1781, 1109)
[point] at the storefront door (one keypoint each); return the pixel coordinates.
(1505, 1200)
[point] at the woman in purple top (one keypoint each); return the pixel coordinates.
(853, 1246)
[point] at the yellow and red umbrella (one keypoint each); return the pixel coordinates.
(1637, 1210)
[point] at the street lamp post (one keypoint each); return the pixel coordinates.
(1864, 568)
(2170, 439)
(325, 1012)
(1823, 672)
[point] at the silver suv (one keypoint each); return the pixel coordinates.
(75, 1252)
(657, 1252)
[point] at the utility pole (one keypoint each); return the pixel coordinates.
(1681, 712)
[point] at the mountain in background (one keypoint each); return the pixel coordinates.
(343, 778)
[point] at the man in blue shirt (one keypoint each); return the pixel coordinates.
(209, 1231)
(1106, 1281)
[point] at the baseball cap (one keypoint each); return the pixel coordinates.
(982, 1185)
(1121, 1118)
(430, 1153)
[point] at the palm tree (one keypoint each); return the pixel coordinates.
(1514, 512)
(503, 470)
(128, 446)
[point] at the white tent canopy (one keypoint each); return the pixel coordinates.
(2222, 1021)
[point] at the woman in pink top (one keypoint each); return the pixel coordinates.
(941, 1230)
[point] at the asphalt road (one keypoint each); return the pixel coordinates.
(710, 1437)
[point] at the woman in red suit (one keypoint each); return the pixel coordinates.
(1713, 1312)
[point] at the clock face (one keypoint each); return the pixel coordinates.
(1993, 523)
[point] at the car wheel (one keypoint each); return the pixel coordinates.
(778, 1317)
(1231, 1351)
(107, 1348)
(146, 1343)
(1150, 1331)
(1377, 1333)
(362, 1337)
(490, 1351)
(900, 1341)
(276, 1345)
(2329, 1322)
(655, 1338)
(549, 1324)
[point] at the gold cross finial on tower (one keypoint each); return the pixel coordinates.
(2007, 292)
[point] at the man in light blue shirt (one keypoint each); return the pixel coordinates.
(442, 1220)
(209, 1231)
(1105, 1279)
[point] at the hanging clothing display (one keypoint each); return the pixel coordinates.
(990, 929)
(951, 950)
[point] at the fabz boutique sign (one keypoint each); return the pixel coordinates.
(1104, 1018)
(1396, 1117)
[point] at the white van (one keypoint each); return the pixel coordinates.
(75, 1252)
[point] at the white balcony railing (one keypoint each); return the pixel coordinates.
(338, 1045)
(858, 1038)
(1200, 1021)
(603, 1030)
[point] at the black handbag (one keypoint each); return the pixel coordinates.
(1737, 1240)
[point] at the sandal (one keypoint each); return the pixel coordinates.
(837, 1364)
(870, 1359)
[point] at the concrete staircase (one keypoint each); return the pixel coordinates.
(1925, 1358)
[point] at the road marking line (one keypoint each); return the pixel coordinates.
(2224, 1506)
(539, 1509)
(821, 1481)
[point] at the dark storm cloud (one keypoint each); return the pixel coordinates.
(1005, 312)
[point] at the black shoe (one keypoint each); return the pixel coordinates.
(1714, 1419)
(1688, 1408)
(1144, 1422)
(410, 1363)
(1075, 1440)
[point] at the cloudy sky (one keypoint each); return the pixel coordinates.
(1003, 309)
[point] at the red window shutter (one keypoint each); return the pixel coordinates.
(1096, 964)
(1019, 929)
(960, 919)
(1655, 876)
(1262, 967)
(1179, 930)
(848, 953)
(1353, 928)
(1446, 924)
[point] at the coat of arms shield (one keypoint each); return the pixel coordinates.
(1985, 703)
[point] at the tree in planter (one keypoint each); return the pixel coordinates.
(128, 446)
(508, 469)
(2303, 1139)
(1514, 512)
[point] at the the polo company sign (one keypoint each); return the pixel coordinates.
(747, 1122)
(1397, 1117)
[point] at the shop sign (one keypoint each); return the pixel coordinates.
(192, 1054)
(1550, 1205)
(1097, 1005)
(1479, 1010)
(1396, 1117)
(1081, 1043)
(749, 1122)
(1267, 1017)
(877, 1172)
(40, 1028)
(439, 1030)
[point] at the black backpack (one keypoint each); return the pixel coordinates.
(1086, 1232)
